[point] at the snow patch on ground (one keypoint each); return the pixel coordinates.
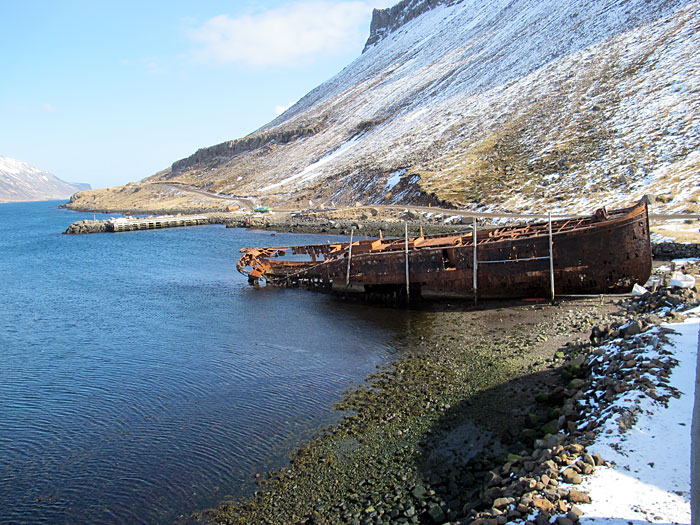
(311, 171)
(394, 179)
(557, 72)
(650, 476)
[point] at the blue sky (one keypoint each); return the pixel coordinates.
(111, 92)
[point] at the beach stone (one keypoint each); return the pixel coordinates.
(587, 469)
(493, 493)
(513, 515)
(436, 514)
(529, 483)
(575, 513)
(500, 503)
(554, 440)
(632, 329)
(542, 518)
(561, 520)
(576, 496)
(485, 521)
(550, 466)
(419, 492)
(630, 363)
(543, 504)
(576, 448)
(571, 476)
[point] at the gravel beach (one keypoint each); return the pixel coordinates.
(476, 421)
(422, 432)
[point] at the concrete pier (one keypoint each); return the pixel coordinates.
(123, 224)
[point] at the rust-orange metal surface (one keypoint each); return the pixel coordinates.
(606, 253)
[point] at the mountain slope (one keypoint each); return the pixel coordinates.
(511, 105)
(20, 181)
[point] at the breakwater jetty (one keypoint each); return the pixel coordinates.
(124, 224)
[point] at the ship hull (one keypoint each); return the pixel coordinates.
(604, 254)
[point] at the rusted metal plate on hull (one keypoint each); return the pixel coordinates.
(605, 253)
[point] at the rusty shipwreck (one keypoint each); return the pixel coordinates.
(607, 252)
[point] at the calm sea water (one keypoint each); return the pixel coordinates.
(142, 379)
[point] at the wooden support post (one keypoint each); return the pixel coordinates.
(408, 284)
(475, 260)
(551, 259)
(347, 277)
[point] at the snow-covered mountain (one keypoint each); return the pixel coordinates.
(20, 181)
(519, 105)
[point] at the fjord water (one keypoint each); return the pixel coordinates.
(142, 379)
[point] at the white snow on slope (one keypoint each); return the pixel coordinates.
(10, 167)
(503, 105)
(312, 170)
(20, 181)
(394, 179)
(457, 73)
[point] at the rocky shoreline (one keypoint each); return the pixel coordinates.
(484, 418)
(365, 223)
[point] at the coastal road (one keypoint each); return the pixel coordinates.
(250, 204)
(245, 201)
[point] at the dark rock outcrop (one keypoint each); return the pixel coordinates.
(385, 21)
(87, 226)
(665, 251)
(231, 148)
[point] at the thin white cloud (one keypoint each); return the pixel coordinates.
(153, 66)
(47, 107)
(281, 109)
(150, 65)
(286, 36)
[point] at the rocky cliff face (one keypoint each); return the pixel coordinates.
(384, 21)
(21, 182)
(508, 105)
(233, 148)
